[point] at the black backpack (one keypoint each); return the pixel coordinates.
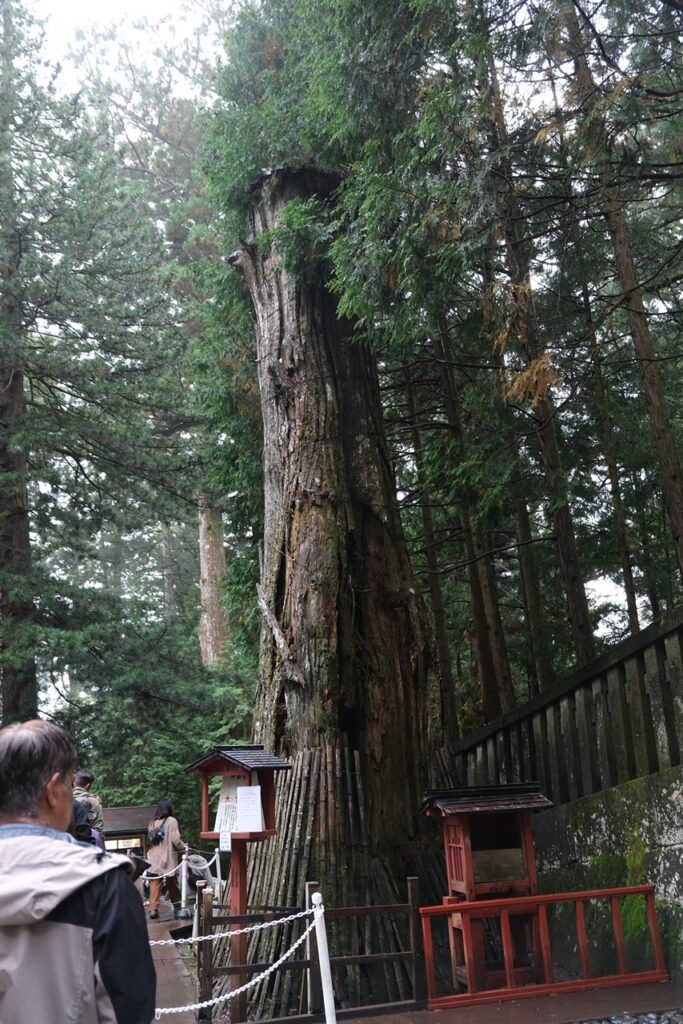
(156, 833)
(89, 808)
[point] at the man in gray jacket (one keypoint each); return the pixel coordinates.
(73, 940)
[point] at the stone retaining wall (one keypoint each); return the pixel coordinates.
(606, 746)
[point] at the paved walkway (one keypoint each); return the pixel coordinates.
(176, 986)
(561, 1009)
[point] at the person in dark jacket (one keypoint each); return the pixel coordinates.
(83, 783)
(81, 830)
(73, 938)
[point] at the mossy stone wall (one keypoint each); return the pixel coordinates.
(628, 835)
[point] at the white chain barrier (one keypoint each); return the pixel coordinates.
(183, 868)
(149, 878)
(250, 984)
(230, 935)
(318, 922)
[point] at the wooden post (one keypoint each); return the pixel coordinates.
(238, 907)
(660, 962)
(429, 957)
(315, 992)
(199, 948)
(582, 938)
(619, 943)
(416, 943)
(204, 952)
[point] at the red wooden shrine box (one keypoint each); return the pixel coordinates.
(488, 838)
(490, 854)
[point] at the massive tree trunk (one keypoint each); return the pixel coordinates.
(213, 625)
(17, 667)
(346, 661)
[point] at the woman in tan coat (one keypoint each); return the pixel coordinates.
(164, 845)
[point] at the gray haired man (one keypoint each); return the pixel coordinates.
(73, 938)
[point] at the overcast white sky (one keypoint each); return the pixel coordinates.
(65, 16)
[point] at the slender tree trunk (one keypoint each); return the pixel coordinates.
(491, 705)
(642, 499)
(19, 682)
(171, 605)
(213, 627)
(346, 653)
(17, 665)
(497, 690)
(545, 675)
(546, 426)
(618, 226)
(604, 421)
(609, 450)
(448, 714)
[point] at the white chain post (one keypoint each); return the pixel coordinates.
(159, 1012)
(183, 912)
(218, 889)
(324, 958)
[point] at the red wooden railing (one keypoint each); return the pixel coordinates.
(468, 918)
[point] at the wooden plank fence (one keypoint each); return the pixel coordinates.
(619, 718)
(214, 971)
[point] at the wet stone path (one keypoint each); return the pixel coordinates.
(662, 1017)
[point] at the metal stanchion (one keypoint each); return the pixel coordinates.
(183, 913)
(324, 958)
(219, 880)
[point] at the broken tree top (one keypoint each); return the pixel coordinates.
(250, 758)
(484, 799)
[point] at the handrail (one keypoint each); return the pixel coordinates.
(617, 719)
(657, 630)
(485, 908)
(488, 981)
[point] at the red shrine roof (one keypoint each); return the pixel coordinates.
(514, 796)
(250, 758)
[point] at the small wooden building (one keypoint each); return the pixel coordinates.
(250, 765)
(488, 838)
(490, 854)
(125, 828)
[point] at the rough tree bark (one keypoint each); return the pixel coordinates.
(448, 719)
(214, 631)
(18, 671)
(19, 682)
(346, 659)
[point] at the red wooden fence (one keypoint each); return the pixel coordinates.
(483, 985)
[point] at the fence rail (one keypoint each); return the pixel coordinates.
(520, 976)
(210, 918)
(620, 718)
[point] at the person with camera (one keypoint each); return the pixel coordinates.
(164, 845)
